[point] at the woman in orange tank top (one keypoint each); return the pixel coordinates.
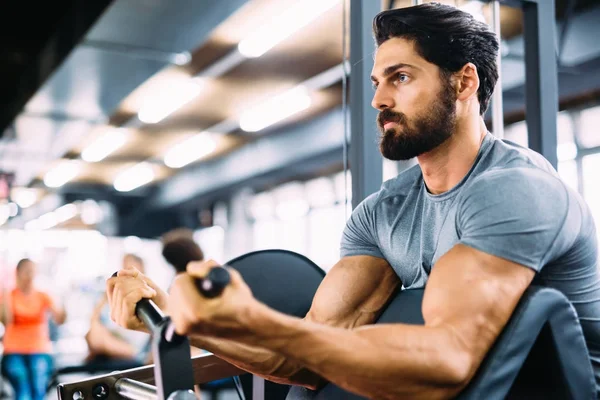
(27, 361)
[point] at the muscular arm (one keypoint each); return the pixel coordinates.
(469, 298)
(352, 294)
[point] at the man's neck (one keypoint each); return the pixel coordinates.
(444, 167)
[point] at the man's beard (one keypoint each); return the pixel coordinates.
(423, 133)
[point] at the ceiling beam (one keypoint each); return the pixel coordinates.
(287, 149)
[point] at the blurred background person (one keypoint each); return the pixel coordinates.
(27, 362)
(109, 342)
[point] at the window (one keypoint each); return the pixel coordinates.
(325, 234)
(591, 185)
(589, 120)
(517, 133)
(568, 173)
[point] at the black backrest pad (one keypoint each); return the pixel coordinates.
(285, 281)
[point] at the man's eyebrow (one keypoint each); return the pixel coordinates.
(392, 68)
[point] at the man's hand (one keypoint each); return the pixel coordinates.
(226, 315)
(125, 290)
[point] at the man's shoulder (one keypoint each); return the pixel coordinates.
(403, 183)
(521, 175)
(504, 154)
(398, 187)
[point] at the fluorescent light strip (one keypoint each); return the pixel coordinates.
(317, 82)
(104, 145)
(134, 177)
(24, 197)
(47, 220)
(296, 17)
(61, 174)
(275, 109)
(66, 212)
(190, 150)
(169, 98)
(173, 96)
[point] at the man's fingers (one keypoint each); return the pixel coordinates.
(187, 310)
(115, 302)
(199, 269)
(148, 291)
(235, 276)
(128, 307)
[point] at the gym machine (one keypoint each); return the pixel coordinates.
(174, 373)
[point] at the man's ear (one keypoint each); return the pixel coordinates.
(467, 82)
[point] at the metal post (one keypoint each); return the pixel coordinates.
(417, 2)
(258, 388)
(366, 163)
(497, 112)
(541, 79)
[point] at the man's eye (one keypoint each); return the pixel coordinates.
(402, 78)
(374, 85)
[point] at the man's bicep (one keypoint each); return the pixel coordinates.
(473, 294)
(354, 292)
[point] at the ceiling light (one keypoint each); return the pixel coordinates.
(281, 27)
(13, 209)
(47, 220)
(61, 174)
(169, 97)
(24, 197)
(134, 177)
(190, 150)
(33, 225)
(275, 109)
(4, 213)
(91, 212)
(65, 212)
(105, 145)
(566, 151)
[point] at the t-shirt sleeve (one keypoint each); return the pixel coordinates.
(524, 215)
(360, 235)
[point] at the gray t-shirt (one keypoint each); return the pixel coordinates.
(511, 204)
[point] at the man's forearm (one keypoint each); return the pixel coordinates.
(383, 361)
(259, 361)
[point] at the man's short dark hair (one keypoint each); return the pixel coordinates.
(447, 37)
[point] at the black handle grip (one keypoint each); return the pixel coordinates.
(149, 313)
(214, 283)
